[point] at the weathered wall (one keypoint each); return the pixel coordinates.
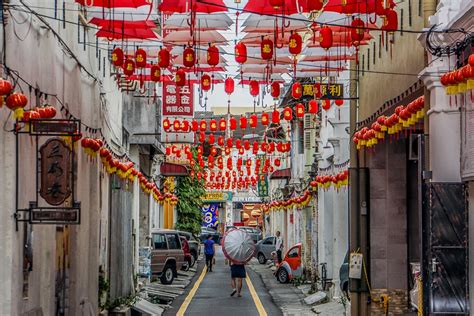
(402, 60)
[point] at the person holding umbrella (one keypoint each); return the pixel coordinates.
(238, 248)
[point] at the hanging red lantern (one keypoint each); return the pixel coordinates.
(295, 44)
(222, 124)
(265, 119)
(194, 126)
(213, 56)
(128, 67)
(176, 125)
(313, 107)
(357, 31)
(263, 146)
(238, 143)
(180, 77)
(164, 58)
(213, 125)
(296, 90)
(314, 5)
(339, 102)
(277, 162)
(299, 110)
(229, 142)
(155, 73)
(229, 85)
(390, 21)
(17, 102)
(246, 144)
(203, 125)
(243, 122)
(288, 113)
(275, 90)
(166, 124)
(232, 124)
(140, 58)
(326, 104)
(253, 120)
(240, 53)
(117, 57)
(211, 139)
(189, 57)
(325, 37)
(254, 88)
(266, 49)
(206, 82)
(471, 60)
(185, 126)
(276, 117)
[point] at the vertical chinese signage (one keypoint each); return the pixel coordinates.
(56, 165)
(262, 184)
(177, 101)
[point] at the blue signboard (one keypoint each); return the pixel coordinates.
(210, 215)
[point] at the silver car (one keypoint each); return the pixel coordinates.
(265, 248)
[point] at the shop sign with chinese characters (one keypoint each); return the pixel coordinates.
(56, 165)
(324, 91)
(177, 101)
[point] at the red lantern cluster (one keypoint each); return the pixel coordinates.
(91, 145)
(460, 80)
(298, 202)
(325, 181)
(16, 102)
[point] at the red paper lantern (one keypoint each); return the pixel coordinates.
(276, 117)
(325, 37)
(5, 89)
(326, 104)
(313, 107)
(265, 119)
(471, 60)
(243, 122)
(17, 102)
(166, 124)
(295, 44)
(266, 49)
(180, 77)
(164, 58)
(222, 124)
(390, 21)
(357, 31)
(176, 125)
(314, 5)
(203, 125)
(253, 120)
(213, 56)
(339, 102)
(232, 124)
(155, 73)
(189, 57)
(299, 110)
(117, 57)
(275, 90)
(213, 125)
(229, 85)
(229, 142)
(128, 67)
(211, 139)
(277, 162)
(296, 90)
(246, 144)
(288, 113)
(185, 126)
(206, 82)
(140, 58)
(254, 88)
(194, 126)
(240, 53)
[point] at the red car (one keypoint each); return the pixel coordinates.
(187, 253)
(291, 266)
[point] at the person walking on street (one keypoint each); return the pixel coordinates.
(237, 273)
(279, 246)
(209, 251)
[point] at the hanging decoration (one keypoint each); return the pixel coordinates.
(296, 90)
(17, 102)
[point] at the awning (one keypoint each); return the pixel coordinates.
(171, 169)
(281, 174)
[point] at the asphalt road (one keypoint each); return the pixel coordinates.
(212, 296)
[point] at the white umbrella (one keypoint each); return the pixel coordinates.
(258, 23)
(184, 37)
(238, 246)
(123, 14)
(204, 21)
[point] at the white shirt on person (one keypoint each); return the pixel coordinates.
(279, 243)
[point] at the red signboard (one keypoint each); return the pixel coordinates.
(177, 101)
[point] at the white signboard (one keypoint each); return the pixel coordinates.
(247, 199)
(355, 266)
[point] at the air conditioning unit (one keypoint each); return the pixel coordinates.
(309, 121)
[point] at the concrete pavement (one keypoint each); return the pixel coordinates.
(212, 296)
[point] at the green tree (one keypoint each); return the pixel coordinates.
(189, 191)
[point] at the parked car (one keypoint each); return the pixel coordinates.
(254, 232)
(344, 275)
(194, 245)
(264, 249)
(167, 255)
(187, 254)
(291, 266)
(206, 231)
